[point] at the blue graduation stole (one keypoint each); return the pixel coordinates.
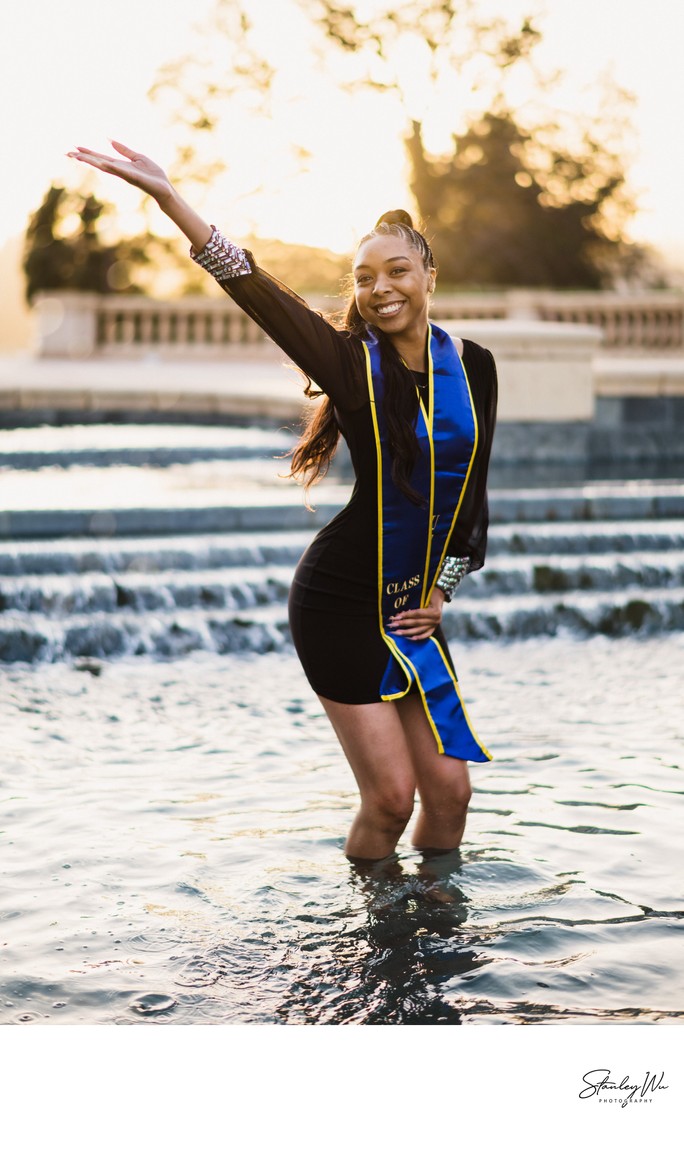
(413, 541)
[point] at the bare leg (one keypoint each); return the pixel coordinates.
(443, 782)
(374, 741)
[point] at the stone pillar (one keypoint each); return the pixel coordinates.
(66, 324)
(545, 369)
(522, 304)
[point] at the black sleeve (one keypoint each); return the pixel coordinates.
(333, 359)
(469, 537)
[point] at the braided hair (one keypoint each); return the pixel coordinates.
(399, 223)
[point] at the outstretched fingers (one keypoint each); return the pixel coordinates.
(97, 159)
(125, 150)
(128, 165)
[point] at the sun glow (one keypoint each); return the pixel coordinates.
(324, 163)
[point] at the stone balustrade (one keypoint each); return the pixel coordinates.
(81, 325)
(648, 322)
(563, 396)
(184, 325)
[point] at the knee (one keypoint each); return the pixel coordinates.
(459, 792)
(452, 802)
(392, 808)
(459, 799)
(463, 794)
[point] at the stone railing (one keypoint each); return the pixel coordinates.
(648, 322)
(213, 324)
(81, 325)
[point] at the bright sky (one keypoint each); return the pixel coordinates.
(76, 72)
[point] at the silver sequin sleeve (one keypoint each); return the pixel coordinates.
(453, 570)
(221, 258)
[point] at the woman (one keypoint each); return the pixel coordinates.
(417, 411)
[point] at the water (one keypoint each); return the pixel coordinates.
(227, 592)
(172, 833)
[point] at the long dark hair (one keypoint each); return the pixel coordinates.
(316, 448)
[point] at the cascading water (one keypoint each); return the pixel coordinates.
(194, 549)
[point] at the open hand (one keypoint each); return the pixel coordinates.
(420, 622)
(135, 169)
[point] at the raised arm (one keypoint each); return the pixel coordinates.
(143, 173)
(328, 356)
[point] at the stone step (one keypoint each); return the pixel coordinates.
(218, 496)
(242, 549)
(550, 574)
(230, 589)
(237, 587)
(611, 613)
(152, 553)
(585, 538)
(268, 510)
(254, 510)
(30, 638)
(630, 500)
(106, 445)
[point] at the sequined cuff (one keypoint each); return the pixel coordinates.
(221, 258)
(452, 571)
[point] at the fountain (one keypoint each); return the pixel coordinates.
(161, 541)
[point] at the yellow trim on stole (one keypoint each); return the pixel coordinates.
(378, 454)
(453, 679)
(463, 489)
(429, 418)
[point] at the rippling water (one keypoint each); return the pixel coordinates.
(171, 846)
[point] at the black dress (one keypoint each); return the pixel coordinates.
(333, 604)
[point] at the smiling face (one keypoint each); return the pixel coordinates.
(392, 286)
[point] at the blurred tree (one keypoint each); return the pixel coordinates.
(304, 269)
(64, 248)
(196, 93)
(504, 210)
(508, 204)
(441, 36)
